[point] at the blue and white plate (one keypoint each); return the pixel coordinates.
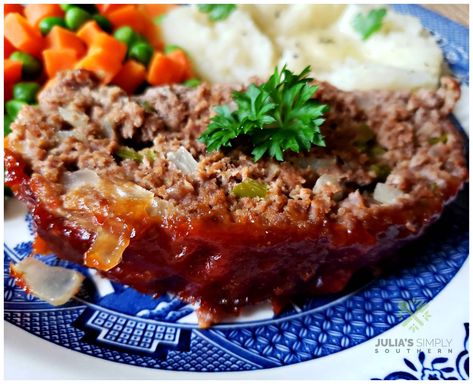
(310, 339)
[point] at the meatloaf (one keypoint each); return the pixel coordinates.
(121, 184)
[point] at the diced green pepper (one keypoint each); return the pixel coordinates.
(382, 171)
(376, 150)
(147, 106)
(149, 154)
(440, 139)
(129, 153)
(250, 188)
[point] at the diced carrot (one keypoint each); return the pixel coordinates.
(62, 38)
(154, 10)
(11, 8)
(180, 57)
(8, 48)
(104, 58)
(11, 71)
(101, 63)
(34, 13)
(152, 33)
(89, 31)
(163, 70)
(130, 76)
(22, 35)
(116, 49)
(105, 9)
(130, 16)
(59, 59)
(11, 75)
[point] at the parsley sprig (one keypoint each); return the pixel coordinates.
(217, 12)
(368, 24)
(276, 116)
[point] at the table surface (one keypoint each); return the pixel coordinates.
(457, 12)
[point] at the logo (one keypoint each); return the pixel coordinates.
(416, 310)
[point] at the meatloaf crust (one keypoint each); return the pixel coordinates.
(201, 241)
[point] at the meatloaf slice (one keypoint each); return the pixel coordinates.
(121, 184)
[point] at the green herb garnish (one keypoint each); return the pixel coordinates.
(217, 12)
(250, 188)
(276, 116)
(368, 24)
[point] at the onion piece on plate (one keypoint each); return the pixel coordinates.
(56, 285)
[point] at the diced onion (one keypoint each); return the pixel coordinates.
(75, 118)
(183, 160)
(386, 194)
(330, 185)
(161, 208)
(316, 163)
(131, 191)
(77, 179)
(63, 135)
(56, 285)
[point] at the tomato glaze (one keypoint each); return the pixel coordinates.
(223, 267)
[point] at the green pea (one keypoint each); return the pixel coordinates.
(75, 17)
(48, 23)
(126, 35)
(141, 39)
(192, 83)
(103, 23)
(31, 67)
(141, 52)
(7, 120)
(13, 107)
(26, 91)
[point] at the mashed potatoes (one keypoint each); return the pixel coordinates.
(256, 38)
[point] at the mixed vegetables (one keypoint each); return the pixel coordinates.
(118, 42)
